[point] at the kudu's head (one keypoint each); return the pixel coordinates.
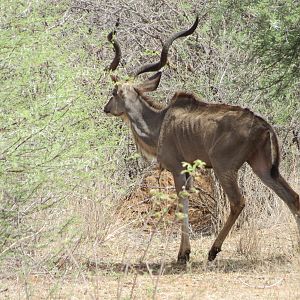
(124, 95)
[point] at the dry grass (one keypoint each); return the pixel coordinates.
(129, 251)
(118, 257)
(114, 270)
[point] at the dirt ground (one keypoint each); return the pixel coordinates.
(137, 260)
(143, 266)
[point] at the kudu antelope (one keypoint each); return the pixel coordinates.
(221, 135)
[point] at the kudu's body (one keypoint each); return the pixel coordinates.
(223, 136)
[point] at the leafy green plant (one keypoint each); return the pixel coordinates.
(192, 168)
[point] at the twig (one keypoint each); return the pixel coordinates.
(119, 230)
(21, 240)
(261, 286)
(60, 22)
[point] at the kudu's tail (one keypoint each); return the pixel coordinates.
(275, 154)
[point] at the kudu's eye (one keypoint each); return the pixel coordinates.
(121, 94)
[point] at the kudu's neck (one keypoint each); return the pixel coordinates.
(145, 123)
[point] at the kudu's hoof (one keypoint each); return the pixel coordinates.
(213, 253)
(183, 258)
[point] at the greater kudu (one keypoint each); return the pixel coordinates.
(221, 135)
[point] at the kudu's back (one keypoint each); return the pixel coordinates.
(193, 129)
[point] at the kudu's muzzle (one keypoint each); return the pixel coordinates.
(107, 107)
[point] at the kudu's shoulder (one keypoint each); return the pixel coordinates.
(184, 100)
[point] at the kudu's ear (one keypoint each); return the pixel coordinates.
(150, 84)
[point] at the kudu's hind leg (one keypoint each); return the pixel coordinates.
(229, 184)
(182, 182)
(283, 190)
(287, 194)
(261, 165)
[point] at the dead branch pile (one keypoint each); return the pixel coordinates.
(155, 199)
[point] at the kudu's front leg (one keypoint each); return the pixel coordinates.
(183, 183)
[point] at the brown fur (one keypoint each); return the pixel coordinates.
(147, 151)
(150, 101)
(221, 135)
